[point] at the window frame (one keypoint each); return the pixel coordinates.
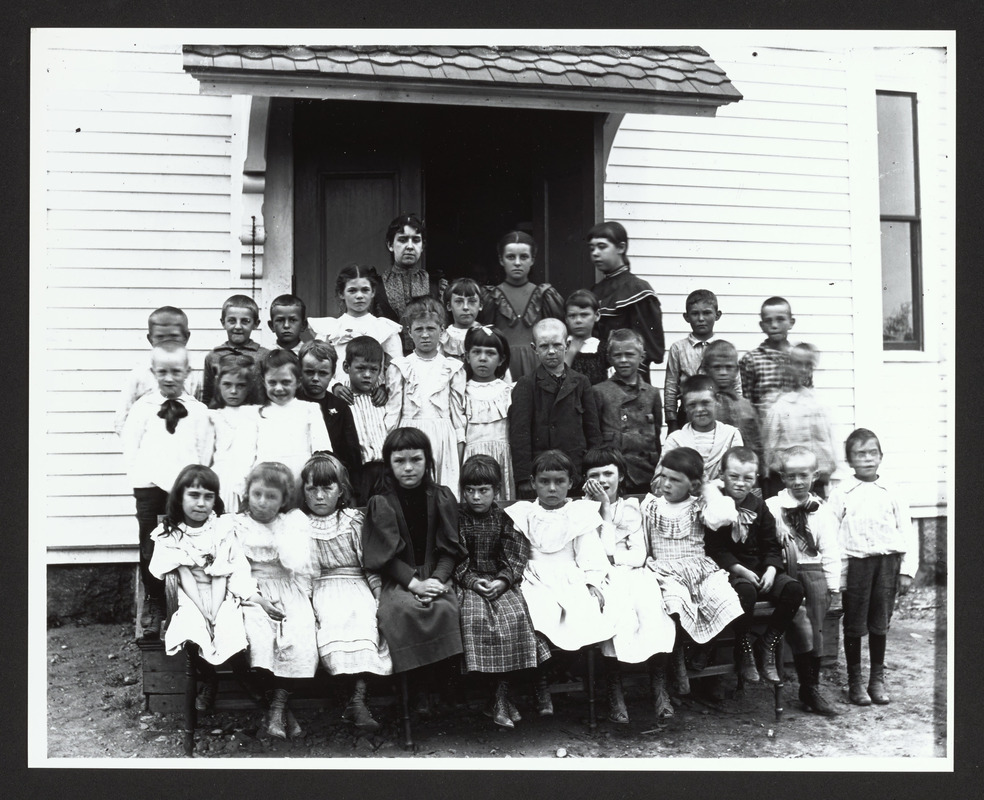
(918, 343)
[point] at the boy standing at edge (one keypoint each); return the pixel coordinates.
(165, 324)
(166, 430)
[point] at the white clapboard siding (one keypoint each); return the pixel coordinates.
(757, 201)
(138, 190)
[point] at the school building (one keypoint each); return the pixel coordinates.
(176, 173)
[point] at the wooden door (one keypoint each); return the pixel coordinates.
(353, 172)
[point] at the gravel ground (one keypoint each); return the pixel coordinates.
(95, 710)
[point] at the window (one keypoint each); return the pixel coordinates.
(898, 190)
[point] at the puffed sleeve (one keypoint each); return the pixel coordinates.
(394, 400)
(241, 584)
(630, 544)
(168, 556)
(318, 437)
(457, 400)
(552, 304)
(449, 546)
(590, 557)
(356, 519)
(382, 545)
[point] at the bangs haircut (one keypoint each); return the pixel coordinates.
(487, 336)
(481, 470)
(242, 301)
(192, 475)
(324, 469)
(236, 364)
(741, 454)
(278, 358)
(424, 308)
(598, 457)
(858, 437)
(364, 347)
(275, 474)
(612, 231)
(554, 461)
(582, 298)
(685, 460)
(408, 439)
(466, 287)
(405, 221)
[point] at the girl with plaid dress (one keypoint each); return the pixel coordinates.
(695, 590)
(496, 629)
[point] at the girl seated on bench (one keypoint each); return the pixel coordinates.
(344, 594)
(567, 566)
(410, 538)
(696, 591)
(192, 543)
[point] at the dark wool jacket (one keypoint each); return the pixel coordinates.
(758, 552)
(545, 415)
(341, 430)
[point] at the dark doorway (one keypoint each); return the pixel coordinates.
(475, 173)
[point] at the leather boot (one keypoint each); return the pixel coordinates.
(662, 706)
(855, 682)
(808, 671)
(617, 712)
(876, 686)
(680, 680)
(769, 646)
(699, 655)
(294, 730)
(514, 714)
(275, 722)
(206, 696)
(544, 703)
(357, 711)
(746, 660)
(500, 706)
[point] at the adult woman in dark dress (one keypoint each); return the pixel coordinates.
(406, 278)
(411, 538)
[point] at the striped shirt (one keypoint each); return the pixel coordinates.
(874, 520)
(370, 426)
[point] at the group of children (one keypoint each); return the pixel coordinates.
(507, 404)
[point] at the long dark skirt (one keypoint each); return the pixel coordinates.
(418, 634)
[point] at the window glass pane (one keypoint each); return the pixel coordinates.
(897, 315)
(896, 159)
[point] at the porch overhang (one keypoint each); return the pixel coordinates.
(611, 80)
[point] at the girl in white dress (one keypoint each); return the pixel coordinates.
(427, 391)
(632, 593)
(289, 430)
(234, 419)
(344, 594)
(192, 543)
(487, 399)
(563, 580)
(356, 288)
(273, 580)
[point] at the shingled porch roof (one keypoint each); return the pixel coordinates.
(672, 79)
